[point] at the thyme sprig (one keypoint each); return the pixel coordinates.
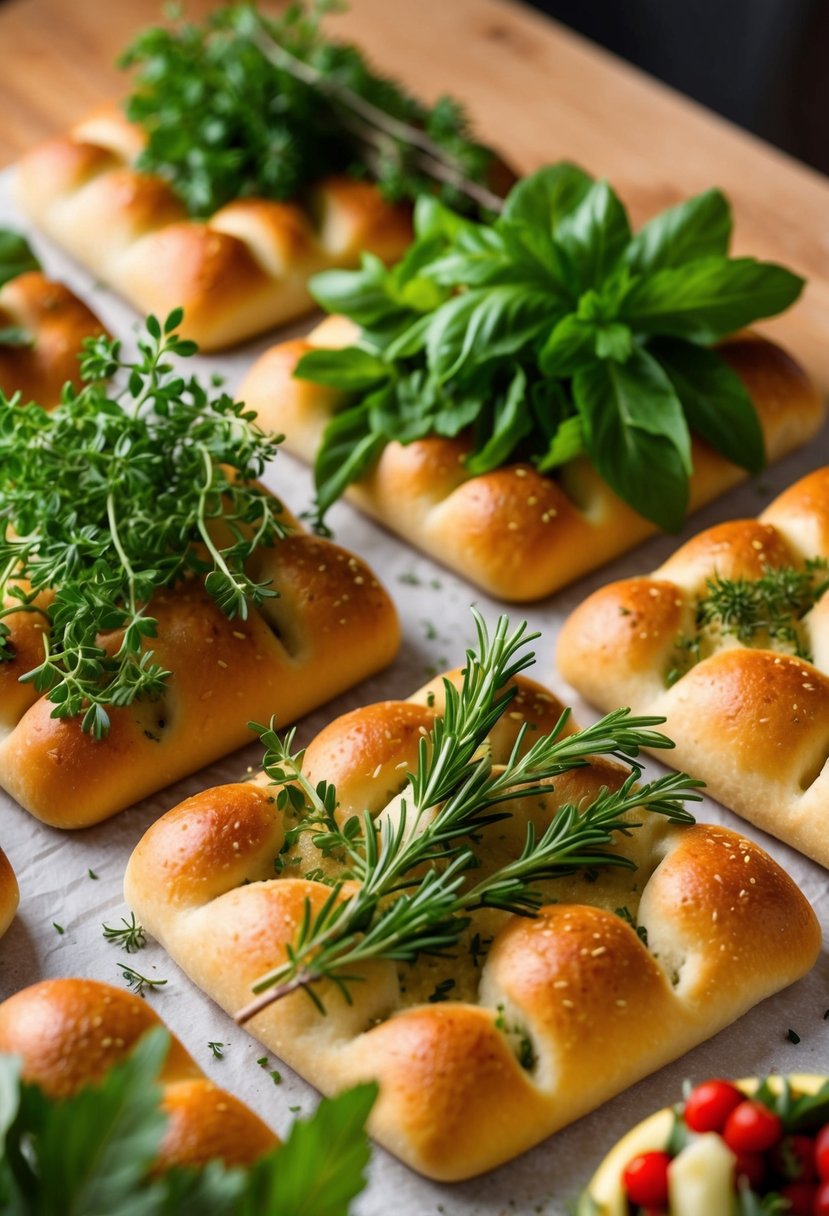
(124, 490)
(249, 105)
(756, 611)
(413, 864)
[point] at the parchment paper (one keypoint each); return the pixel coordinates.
(56, 887)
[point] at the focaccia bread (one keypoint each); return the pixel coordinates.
(241, 272)
(702, 1177)
(514, 532)
(9, 893)
(69, 1032)
(482, 1054)
(330, 626)
(55, 322)
(751, 717)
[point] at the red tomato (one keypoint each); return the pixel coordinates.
(752, 1167)
(821, 1207)
(794, 1159)
(646, 1180)
(708, 1105)
(822, 1153)
(752, 1127)
(801, 1197)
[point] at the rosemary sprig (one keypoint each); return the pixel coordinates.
(755, 611)
(413, 865)
(138, 983)
(118, 493)
(129, 935)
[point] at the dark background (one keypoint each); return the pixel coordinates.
(762, 63)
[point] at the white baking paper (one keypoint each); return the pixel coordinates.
(53, 868)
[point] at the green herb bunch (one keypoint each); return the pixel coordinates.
(249, 106)
(119, 492)
(760, 611)
(16, 257)
(93, 1152)
(549, 333)
(418, 868)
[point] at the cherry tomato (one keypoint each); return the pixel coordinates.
(794, 1159)
(708, 1105)
(752, 1127)
(822, 1153)
(646, 1180)
(821, 1207)
(752, 1167)
(801, 1197)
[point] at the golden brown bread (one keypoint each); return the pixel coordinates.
(726, 927)
(9, 893)
(517, 534)
(68, 1033)
(330, 626)
(752, 722)
(56, 322)
(242, 271)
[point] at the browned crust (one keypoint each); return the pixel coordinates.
(68, 1033)
(517, 534)
(239, 273)
(9, 893)
(331, 626)
(753, 723)
(726, 927)
(57, 323)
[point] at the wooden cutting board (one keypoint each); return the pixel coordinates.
(535, 90)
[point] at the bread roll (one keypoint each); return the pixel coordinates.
(536, 1008)
(752, 721)
(514, 532)
(68, 1033)
(56, 322)
(330, 626)
(9, 893)
(242, 271)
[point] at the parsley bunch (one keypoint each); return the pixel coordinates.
(549, 333)
(93, 1152)
(16, 257)
(117, 493)
(417, 868)
(249, 106)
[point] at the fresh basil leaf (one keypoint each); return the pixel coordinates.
(15, 335)
(542, 200)
(698, 228)
(433, 218)
(511, 422)
(410, 340)
(403, 411)
(715, 400)
(347, 450)
(709, 299)
(16, 256)
(614, 341)
(320, 1168)
(550, 405)
(570, 346)
(636, 435)
(595, 235)
(457, 414)
(808, 1112)
(566, 445)
(532, 216)
(484, 324)
(363, 295)
(349, 369)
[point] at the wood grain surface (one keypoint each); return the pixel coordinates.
(535, 90)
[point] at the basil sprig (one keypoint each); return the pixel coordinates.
(551, 332)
